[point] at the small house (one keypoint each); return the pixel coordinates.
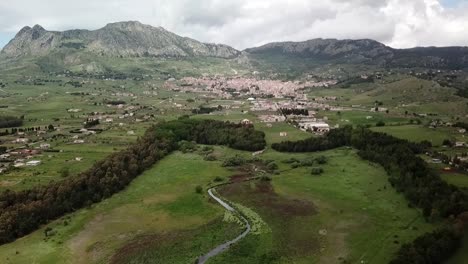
(33, 163)
(44, 146)
(246, 122)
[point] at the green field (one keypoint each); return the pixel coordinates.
(353, 207)
(348, 214)
(457, 179)
(419, 133)
(161, 200)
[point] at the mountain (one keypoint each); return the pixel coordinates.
(366, 51)
(122, 39)
(89, 49)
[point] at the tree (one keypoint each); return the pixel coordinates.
(65, 172)
(316, 171)
(380, 123)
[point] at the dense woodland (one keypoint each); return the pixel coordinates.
(408, 173)
(24, 211)
(10, 121)
(206, 110)
(434, 247)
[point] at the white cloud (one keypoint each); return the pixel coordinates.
(246, 23)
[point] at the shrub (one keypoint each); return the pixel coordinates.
(64, 172)
(272, 166)
(265, 178)
(234, 161)
(380, 123)
(209, 157)
(291, 160)
(307, 163)
(187, 146)
(218, 179)
(295, 165)
(321, 160)
(208, 149)
(316, 171)
(199, 189)
(447, 142)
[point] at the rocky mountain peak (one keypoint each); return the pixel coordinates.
(122, 39)
(23, 30)
(37, 32)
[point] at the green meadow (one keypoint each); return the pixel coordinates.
(161, 216)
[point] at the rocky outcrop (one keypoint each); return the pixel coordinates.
(123, 39)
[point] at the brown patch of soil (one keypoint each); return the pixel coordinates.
(287, 217)
(262, 195)
(239, 177)
(142, 243)
(149, 248)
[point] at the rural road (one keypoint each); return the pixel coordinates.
(221, 248)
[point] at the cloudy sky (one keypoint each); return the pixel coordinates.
(247, 23)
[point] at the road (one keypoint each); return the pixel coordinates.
(223, 247)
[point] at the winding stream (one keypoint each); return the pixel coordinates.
(223, 247)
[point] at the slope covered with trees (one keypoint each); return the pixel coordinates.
(10, 121)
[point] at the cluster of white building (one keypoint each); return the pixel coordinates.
(224, 87)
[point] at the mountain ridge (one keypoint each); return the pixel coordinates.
(124, 39)
(134, 39)
(367, 51)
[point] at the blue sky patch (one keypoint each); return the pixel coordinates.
(451, 3)
(5, 38)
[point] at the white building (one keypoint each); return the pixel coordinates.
(33, 163)
(44, 146)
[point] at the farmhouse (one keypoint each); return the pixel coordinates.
(246, 122)
(21, 140)
(33, 163)
(318, 127)
(44, 146)
(272, 118)
(18, 164)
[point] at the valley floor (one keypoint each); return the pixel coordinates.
(349, 213)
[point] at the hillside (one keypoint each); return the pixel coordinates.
(364, 51)
(127, 43)
(122, 39)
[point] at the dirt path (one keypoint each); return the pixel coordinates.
(223, 247)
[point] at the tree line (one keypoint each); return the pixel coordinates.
(206, 110)
(407, 172)
(294, 111)
(26, 129)
(10, 121)
(22, 212)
